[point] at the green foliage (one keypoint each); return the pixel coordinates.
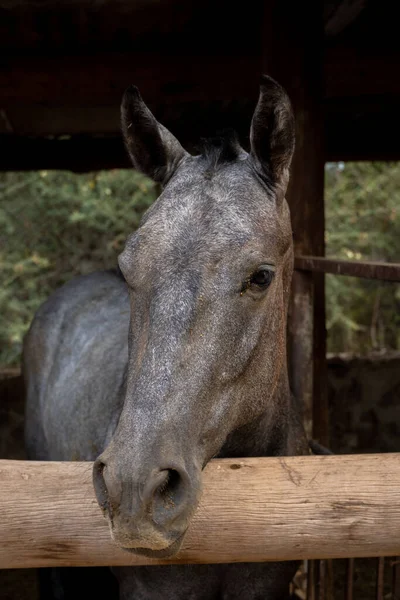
(55, 225)
(362, 202)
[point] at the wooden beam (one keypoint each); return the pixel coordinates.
(293, 55)
(368, 135)
(100, 77)
(254, 509)
(93, 152)
(352, 72)
(50, 27)
(340, 14)
(57, 95)
(78, 153)
(159, 15)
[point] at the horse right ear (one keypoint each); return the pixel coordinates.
(153, 149)
(272, 134)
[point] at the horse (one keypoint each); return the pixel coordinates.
(179, 354)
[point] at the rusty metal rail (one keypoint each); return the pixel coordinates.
(368, 270)
(386, 587)
(350, 579)
(396, 578)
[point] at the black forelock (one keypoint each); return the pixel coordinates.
(220, 150)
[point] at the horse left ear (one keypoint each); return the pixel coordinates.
(153, 149)
(272, 134)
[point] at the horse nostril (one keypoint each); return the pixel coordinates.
(165, 493)
(99, 484)
(172, 489)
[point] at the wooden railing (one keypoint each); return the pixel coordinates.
(252, 510)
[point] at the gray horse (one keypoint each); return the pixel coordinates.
(180, 355)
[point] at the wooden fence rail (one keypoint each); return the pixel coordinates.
(254, 509)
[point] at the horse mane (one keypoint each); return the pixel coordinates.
(220, 150)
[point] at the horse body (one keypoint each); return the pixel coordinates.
(183, 357)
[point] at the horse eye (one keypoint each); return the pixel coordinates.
(262, 277)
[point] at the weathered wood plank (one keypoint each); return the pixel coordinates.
(254, 509)
(92, 152)
(291, 55)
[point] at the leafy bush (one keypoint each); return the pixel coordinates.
(362, 203)
(54, 225)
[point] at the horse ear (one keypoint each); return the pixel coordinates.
(272, 134)
(153, 149)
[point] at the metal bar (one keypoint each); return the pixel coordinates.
(311, 591)
(368, 270)
(322, 580)
(329, 586)
(396, 578)
(349, 579)
(380, 578)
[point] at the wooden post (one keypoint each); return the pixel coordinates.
(254, 509)
(293, 54)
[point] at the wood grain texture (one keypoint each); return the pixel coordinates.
(254, 509)
(293, 54)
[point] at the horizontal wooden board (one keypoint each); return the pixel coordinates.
(254, 509)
